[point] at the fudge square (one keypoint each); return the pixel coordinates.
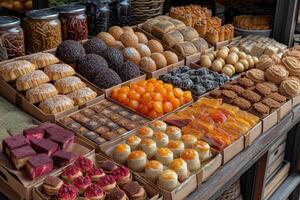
(34, 133)
(64, 139)
(39, 165)
(21, 155)
(45, 146)
(63, 157)
(14, 142)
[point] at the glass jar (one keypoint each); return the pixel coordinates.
(12, 36)
(123, 12)
(42, 30)
(73, 22)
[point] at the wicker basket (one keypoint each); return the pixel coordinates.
(233, 193)
(141, 10)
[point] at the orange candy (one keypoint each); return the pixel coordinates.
(134, 104)
(175, 102)
(168, 107)
(187, 95)
(133, 95)
(158, 107)
(178, 92)
(124, 89)
(122, 97)
(140, 90)
(156, 96)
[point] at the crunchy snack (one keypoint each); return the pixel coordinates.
(242, 103)
(251, 96)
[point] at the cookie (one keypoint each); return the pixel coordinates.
(271, 103)
(278, 97)
(245, 82)
(260, 110)
(215, 93)
(251, 96)
(235, 88)
(263, 89)
(272, 86)
(242, 103)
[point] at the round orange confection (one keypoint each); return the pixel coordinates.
(189, 154)
(136, 155)
(121, 148)
(177, 163)
(153, 164)
(164, 152)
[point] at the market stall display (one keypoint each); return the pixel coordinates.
(19, 6)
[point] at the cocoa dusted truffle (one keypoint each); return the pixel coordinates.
(114, 57)
(90, 65)
(107, 78)
(69, 51)
(128, 71)
(95, 46)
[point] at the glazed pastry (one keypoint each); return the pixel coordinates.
(201, 27)
(121, 153)
(145, 132)
(59, 71)
(134, 142)
(177, 147)
(81, 183)
(161, 139)
(82, 95)
(164, 155)
(116, 194)
(212, 35)
(69, 84)
(95, 174)
(264, 63)
(168, 180)
(41, 93)
(70, 173)
(256, 75)
(149, 147)
(42, 60)
(56, 104)
(174, 133)
(84, 164)
(31, 80)
(203, 150)
(289, 88)
(52, 185)
(12, 70)
(191, 157)
(188, 140)
(135, 191)
(153, 169)
(107, 183)
(276, 74)
(67, 192)
(122, 175)
(185, 48)
(292, 65)
(158, 125)
(94, 192)
(137, 161)
(180, 167)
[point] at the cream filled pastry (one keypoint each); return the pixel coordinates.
(203, 150)
(177, 147)
(164, 155)
(180, 167)
(168, 180)
(191, 157)
(134, 142)
(137, 161)
(188, 140)
(149, 147)
(161, 139)
(121, 153)
(158, 125)
(174, 133)
(145, 132)
(153, 169)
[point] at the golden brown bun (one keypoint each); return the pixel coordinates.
(31, 80)
(159, 29)
(118, 45)
(41, 93)
(59, 71)
(107, 38)
(189, 33)
(155, 46)
(56, 104)
(42, 60)
(185, 48)
(159, 60)
(147, 26)
(82, 95)
(132, 55)
(200, 44)
(144, 50)
(129, 39)
(147, 64)
(69, 84)
(173, 37)
(127, 29)
(116, 32)
(171, 57)
(13, 70)
(142, 37)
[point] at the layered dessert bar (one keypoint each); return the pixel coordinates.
(53, 130)
(14, 142)
(64, 139)
(63, 157)
(21, 155)
(39, 165)
(45, 146)
(34, 133)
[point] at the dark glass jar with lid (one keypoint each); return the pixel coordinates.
(123, 12)
(12, 36)
(74, 25)
(42, 30)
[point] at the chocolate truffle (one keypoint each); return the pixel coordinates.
(128, 71)
(114, 57)
(107, 78)
(69, 51)
(95, 46)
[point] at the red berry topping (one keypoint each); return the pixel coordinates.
(67, 192)
(84, 164)
(120, 173)
(92, 191)
(82, 182)
(94, 172)
(70, 171)
(105, 180)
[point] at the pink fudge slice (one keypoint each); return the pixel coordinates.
(45, 146)
(34, 133)
(21, 155)
(14, 142)
(64, 139)
(39, 165)
(54, 130)
(63, 157)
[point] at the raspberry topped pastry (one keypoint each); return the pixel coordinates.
(67, 192)
(70, 173)
(95, 174)
(94, 192)
(107, 183)
(84, 164)
(122, 175)
(82, 182)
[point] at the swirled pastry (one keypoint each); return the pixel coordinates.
(292, 53)
(42, 60)
(69, 84)
(264, 63)
(82, 95)
(13, 70)
(292, 65)
(56, 104)
(276, 74)
(41, 93)
(256, 75)
(59, 71)
(289, 88)
(31, 80)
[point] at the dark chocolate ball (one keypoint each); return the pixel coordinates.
(114, 57)
(94, 45)
(128, 71)
(107, 78)
(69, 51)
